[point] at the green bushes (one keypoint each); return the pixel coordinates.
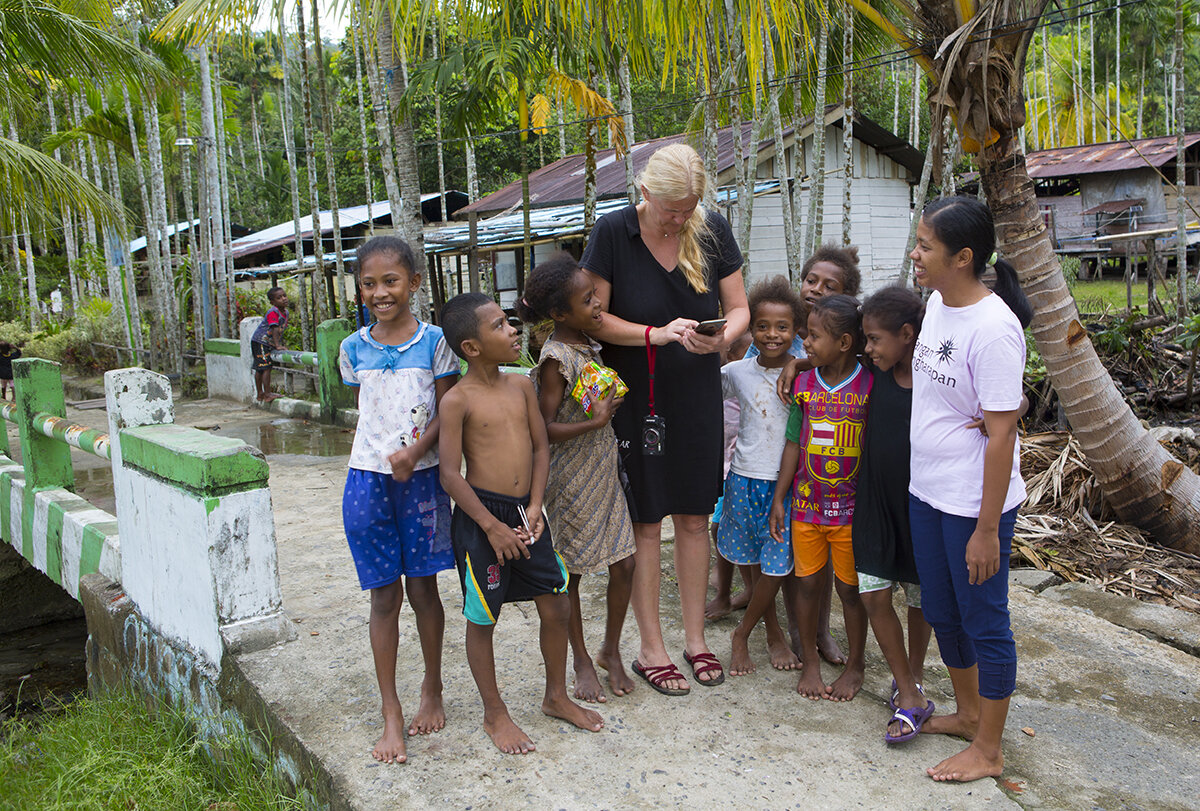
(73, 342)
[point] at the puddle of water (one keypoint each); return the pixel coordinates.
(298, 437)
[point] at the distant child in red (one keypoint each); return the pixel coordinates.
(819, 470)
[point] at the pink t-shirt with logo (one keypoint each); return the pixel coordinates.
(827, 423)
(967, 360)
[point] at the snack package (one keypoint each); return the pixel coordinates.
(593, 384)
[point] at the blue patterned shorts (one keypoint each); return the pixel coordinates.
(396, 528)
(743, 536)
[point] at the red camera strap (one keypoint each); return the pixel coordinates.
(651, 354)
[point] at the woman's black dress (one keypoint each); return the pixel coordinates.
(881, 535)
(686, 479)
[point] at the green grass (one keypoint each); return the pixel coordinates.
(114, 753)
(1096, 296)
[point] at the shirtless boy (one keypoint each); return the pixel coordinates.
(503, 554)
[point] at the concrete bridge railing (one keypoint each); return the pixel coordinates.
(227, 369)
(192, 544)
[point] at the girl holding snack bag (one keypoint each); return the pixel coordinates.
(589, 517)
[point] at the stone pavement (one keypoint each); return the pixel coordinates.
(1115, 714)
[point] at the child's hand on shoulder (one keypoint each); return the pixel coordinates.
(403, 462)
(506, 542)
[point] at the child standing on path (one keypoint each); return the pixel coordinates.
(589, 518)
(265, 340)
(965, 487)
(396, 514)
(503, 549)
(743, 537)
(818, 470)
(8, 353)
(883, 547)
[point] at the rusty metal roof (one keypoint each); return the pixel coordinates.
(1115, 156)
(562, 182)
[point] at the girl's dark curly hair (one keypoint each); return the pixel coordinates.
(845, 257)
(894, 306)
(548, 289)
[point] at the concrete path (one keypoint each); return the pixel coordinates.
(1115, 715)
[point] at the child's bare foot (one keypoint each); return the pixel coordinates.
(587, 683)
(969, 764)
(846, 686)
(390, 747)
(828, 647)
(507, 736)
(782, 657)
(810, 684)
(954, 724)
(618, 680)
(740, 663)
(572, 713)
(740, 600)
(717, 607)
(431, 715)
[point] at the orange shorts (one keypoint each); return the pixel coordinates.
(812, 545)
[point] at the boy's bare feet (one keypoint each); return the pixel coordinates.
(846, 686)
(618, 680)
(717, 607)
(740, 600)
(740, 663)
(810, 684)
(572, 713)
(507, 736)
(954, 724)
(782, 657)
(828, 647)
(431, 715)
(969, 764)
(390, 747)
(587, 683)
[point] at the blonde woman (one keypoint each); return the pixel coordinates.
(662, 268)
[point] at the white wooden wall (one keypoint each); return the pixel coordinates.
(879, 216)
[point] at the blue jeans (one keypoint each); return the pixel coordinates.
(971, 622)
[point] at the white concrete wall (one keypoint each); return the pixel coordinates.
(230, 376)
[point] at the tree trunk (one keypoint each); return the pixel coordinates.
(1051, 124)
(1118, 49)
(89, 222)
(330, 176)
(194, 260)
(212, 210)
(160, 289)
(35, 309)
(256, 133)
(589, 162)
(68, 216)
(229, 301)
(158, 201)
(710, 113)
(472, 216)
(914, 126)
(1140, 479)
(781, 167)
(408, 178)
(355, 42)
(126, 273)
(816, 202)
(1181, 273)
(918, 205)
(625, 89)
(383, 130)
(321, 298)
(847, 118)
(289, 132)
(110, 268)
(744, 199)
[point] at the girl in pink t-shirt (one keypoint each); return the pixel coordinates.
(965, 486)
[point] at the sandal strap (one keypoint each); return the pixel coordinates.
(706, 663)
(662, 673)
(906, 716)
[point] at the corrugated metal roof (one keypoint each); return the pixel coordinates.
(545, 224)
(562, 182)
(1116, 156)
(139, 243)
(1116, 206)
(284, 232)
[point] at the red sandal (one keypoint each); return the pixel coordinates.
(705, 663)
(658, 675)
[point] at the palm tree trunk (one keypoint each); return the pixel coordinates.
(362, 125)
(781, 167)
(710, 111)
(321, 298)
(256, 134)
(1181, 273)
(1118, 50)
(589, 162)
(198, 302)
(625, 91)
(441, 152)
(918, 205)
(408, 177)
(158, 201)
(383, 130)
(1052, 127)
(744, 199)
(1145, 485)
(330, 171)
(1141, 96)
(68, 217)
(229, 301)
(816, 201)
(160, 288)
(289, 131)
(126, 272)
(110, 268)
(472, 216)
(847, 118)
(35, 310)
(212, 211)
(914, 125)
(89, 222)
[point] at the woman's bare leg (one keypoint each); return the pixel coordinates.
(647, 580)
(691, 570)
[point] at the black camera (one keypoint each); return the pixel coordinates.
(654, 435)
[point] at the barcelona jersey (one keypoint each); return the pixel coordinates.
(827, 423)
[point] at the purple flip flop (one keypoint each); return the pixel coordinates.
(913, 718)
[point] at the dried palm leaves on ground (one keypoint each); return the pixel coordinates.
(1056, 530)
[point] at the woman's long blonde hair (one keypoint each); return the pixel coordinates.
(673, 173)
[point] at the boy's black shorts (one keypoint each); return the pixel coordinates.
(486, 584)
(261, 356)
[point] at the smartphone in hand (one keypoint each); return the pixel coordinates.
(710, 327)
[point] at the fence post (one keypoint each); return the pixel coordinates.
(334, 394)
(38, 387)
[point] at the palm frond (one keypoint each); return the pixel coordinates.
(35, 182)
